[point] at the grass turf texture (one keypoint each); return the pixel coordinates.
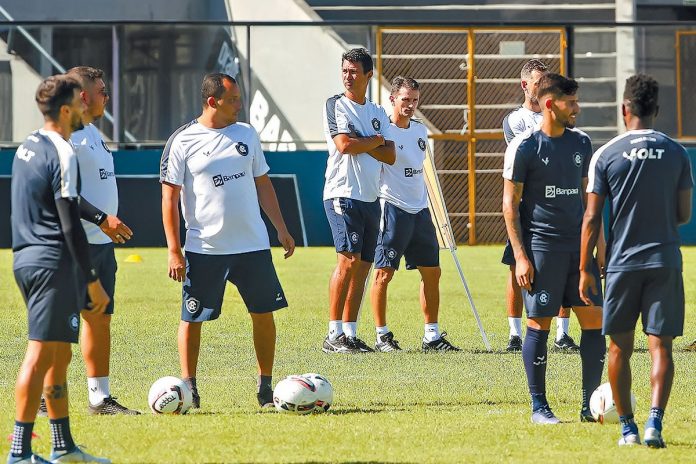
(471, 406)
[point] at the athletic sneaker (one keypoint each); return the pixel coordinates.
(566, 343)
(544, 415)
(339, 345)
(358, 345)
(514, 343)
(632, 439)
(195, 398)
(43, 411)
(441, 344)
(586, 415)
(33, 459)
(386, 343)
(265, 397)
(76, 454)
(109, 407)
(653, 438)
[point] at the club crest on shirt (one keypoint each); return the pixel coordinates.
(105, 147)
(242, 148)
(577, 159)
(192, 305)
(421, 144)
(544, 297)
(376, 124)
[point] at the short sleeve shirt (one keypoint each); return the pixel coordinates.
(518, 121)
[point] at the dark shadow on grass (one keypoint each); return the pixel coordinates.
(381, 408)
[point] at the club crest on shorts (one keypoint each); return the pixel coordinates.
(544, 297)
(242, 148)
(376, 124)
(577, 159)
(391, 253)
(421, 144)
(192, 305)
(354, 236)
(74, 322)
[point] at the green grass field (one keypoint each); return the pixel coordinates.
(471, 406)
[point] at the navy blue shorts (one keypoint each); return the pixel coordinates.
(508, 255)
(354, 226)
(556, 282)
(206, 276)
(104, 262)
(409, 235)
(54, 300)
(656, 295)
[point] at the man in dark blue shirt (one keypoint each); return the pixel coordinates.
(545, 175)
(646, 176)
(47, 241)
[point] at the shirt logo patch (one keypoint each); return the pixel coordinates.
(545, 160)
(391, 253)
(24, 154)
(552, 191)
(421, 144)
(105, 147)
(74, 322)
(408, 172)
(577, 159)
(192, 305)
(376, 124)
(220, 179)
(242, 148)
(638, 153)
(544, 298)
(354, 237)
(104, 174)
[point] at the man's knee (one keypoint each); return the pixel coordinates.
(262, 320)
(384, 275)
(348, 263)
(95, 320)
(430, 274)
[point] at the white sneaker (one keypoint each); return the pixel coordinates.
(33, 459)
(76, 454)
(632, 439)
(544, 416)
(653, 438)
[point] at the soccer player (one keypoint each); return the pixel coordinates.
(98, 187)
(353, 127)
(526, 117)
(406, 226)
(48, 241)
(545, 173)
(217, 165)
(647, 178)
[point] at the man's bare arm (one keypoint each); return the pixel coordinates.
(512, 195)
(591, 230)
(170, 221)
(386, 153)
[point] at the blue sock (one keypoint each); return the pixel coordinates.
(21, 439)
(655, 419)
(61, 438)
(628, 425)
(593, 349)
(534, 356)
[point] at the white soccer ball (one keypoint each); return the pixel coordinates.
(602, 405)
(169, 395)
(295, 394)
(324, 391)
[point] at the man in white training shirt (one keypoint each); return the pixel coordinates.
(526, 117)
(406, 227)
(353, 127)
(217, 166)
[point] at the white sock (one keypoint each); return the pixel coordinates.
(561, 327)
(382, 330)
(515, 326)
(335, 329)
(432, 332)
(98, 389)
(351, 329)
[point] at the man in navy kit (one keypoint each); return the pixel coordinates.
(646, 176)
(217, 167)
(353, 128)
(545, 175)
(47, 241)
(526, 117)
(406, 227)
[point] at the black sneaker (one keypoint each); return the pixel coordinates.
(265, 397)
(586, 415)
(195, 397)
(43, 411)
(514, 343)
(386, 343)
(339, 345)
(109, 407)
(565, 343)
(441, 344)
(358, 345)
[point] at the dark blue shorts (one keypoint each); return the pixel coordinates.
(354, 226)
(556, 282)
(206, 276)
(508, 255)
(409, 235)
(656, 295)
(54, 300)
(104, 262)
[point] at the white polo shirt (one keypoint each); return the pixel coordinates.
(216, 169)
(403, 184)
(352, 176)
(97, 177)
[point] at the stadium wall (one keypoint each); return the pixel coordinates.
(297, 176)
